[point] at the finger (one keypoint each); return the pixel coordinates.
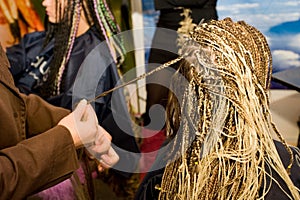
(94, 115)
(105, 132)
(100, 167)
(98, 163)
(91, 115)
(90, 156)
(102, 138)
(109, 159)
(100, 146)
(80, 110)
(97, 150)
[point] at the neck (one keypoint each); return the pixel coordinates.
(83, 26)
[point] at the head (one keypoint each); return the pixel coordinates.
(54, 9)
(222, 127)
(63, 11)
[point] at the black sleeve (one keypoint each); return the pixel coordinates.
(277, 185)
(16, 58)
(284, 155)
(169, 4)
(149, 188)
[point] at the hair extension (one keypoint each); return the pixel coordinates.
(71, 40)
(61, 35)
(109, 29)
(222, 126)
(64, 34)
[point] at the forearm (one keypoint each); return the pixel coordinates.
(41, 115)
(37, 163)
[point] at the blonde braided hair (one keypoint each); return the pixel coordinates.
(223, 125)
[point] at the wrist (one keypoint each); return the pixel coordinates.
(76, 139)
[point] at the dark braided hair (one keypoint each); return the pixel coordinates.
(60, 32)
(64, 34)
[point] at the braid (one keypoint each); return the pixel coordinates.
(71, 40)
(64, 34)
(109, 29)
(223, 125)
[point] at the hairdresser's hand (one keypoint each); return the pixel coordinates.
(107, 160)
(82, 124)
(102, 151)
(101, 144)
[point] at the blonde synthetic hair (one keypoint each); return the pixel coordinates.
(222, 128)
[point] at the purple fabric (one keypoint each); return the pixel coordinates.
(63, 190)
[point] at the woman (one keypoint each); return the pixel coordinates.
(47, 63)
(220, 131)
(38, 141)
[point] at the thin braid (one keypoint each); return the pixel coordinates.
(74, 28)
(224, 138)
(110, 17)
(112, 29)
(60, 34)
(98, 12)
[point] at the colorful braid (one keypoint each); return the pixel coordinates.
(74, 28)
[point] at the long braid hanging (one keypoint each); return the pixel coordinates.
(267, 74)
(101, 22)
(109, 29)
(63, 34)
(224, 109)
(118, 42)
(115, 27)
(71, 40)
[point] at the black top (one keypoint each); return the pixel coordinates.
(147, 189)
(170, 12)
(170, 4)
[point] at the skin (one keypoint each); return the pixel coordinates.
(51, 10)
(50, 6)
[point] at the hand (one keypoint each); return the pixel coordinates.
(101, 144)
(108, 160)
(102, 151)
(82, 124)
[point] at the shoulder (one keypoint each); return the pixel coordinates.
(284, 156)
(35, 35)
(296, 154)
(28, 42)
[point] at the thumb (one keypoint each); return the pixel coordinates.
(80, 108)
